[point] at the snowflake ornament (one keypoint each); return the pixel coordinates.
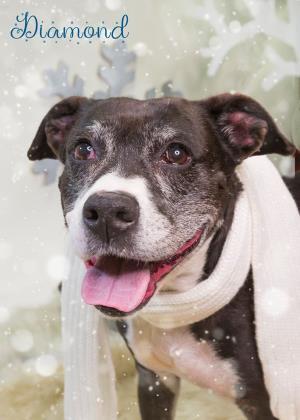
(167, 89)
(47, 167)
(264, 19)
(57, 83)
(117, 74)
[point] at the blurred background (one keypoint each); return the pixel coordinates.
(191, 48)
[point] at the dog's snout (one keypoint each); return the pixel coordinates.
(110, 213)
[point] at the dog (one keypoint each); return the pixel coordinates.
(148, 194)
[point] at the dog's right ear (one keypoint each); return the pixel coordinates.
(50, 138)
(244, 127)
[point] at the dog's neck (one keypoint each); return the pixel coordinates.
(187, 274)
(219, 238)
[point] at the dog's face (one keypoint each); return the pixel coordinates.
(145, 182)
(149, 169)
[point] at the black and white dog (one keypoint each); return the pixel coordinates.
(148, 193)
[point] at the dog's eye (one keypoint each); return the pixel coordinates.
(176, 154)
(84, 151)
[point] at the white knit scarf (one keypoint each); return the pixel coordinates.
(265, 234)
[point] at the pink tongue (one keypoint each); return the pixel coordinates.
(115, 283)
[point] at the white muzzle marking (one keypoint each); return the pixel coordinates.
(153, 227)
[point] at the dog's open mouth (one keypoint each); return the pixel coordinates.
(124, 284)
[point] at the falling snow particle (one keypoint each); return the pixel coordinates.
(4, 314)
(58, 267)
(6, 250)
(235, 26)
(275, 302)
(22, 341)
(113, 4)
(140, 49)
(46, 365)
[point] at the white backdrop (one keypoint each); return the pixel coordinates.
(204, 46)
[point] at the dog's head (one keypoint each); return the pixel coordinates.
(145, 182)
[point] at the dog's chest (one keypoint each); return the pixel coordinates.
(177, 352)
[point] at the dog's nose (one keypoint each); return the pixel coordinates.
(110, 213)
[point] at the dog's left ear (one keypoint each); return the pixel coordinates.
(50, 138)
(244, 127)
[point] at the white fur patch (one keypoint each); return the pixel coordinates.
(186, 274)
(96, 128)
(153, 227)
(178, 353)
